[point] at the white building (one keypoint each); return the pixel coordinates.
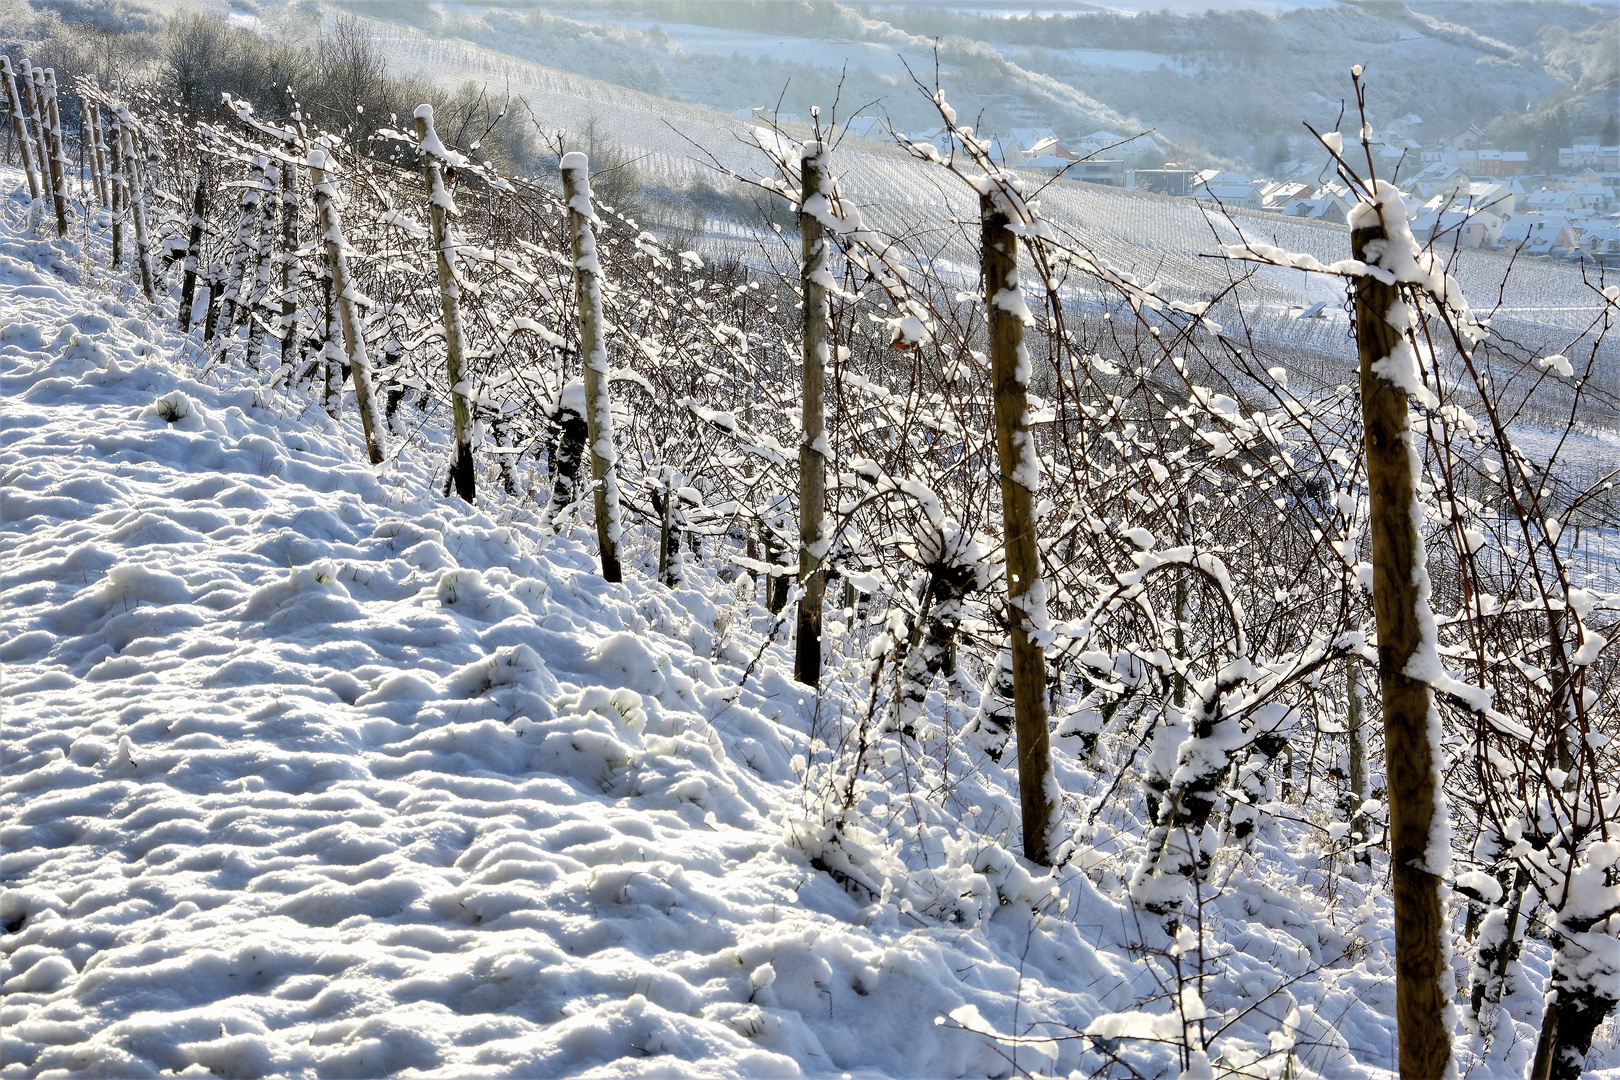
(1457, 228)
(1537, 234)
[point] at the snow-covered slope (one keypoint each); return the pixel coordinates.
(1157, 237)
(304, 776)
(307, 776)
(308, 772)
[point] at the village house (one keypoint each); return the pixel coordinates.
(1228, 189)
(1589, 195)
(1166, 181)
(1330, 208)
(1048, 146)
(1004, 151)
(1093, 171)
(1537, 234)
(1275, 195)
(1602, 245)
(1441, 179)
(1497, 197)
(1459, 228)
(1502, 163)
(1574, 157)
(1125, 148)
(1552, 201)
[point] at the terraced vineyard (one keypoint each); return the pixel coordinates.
(1155, 237)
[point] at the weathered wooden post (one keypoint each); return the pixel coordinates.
(57, 159)
(264, 244)
(116, 186)
(330, 229)
(576, 177)
(136, 199)
(194, 237)
(1412, 759)
(291, 278)
(91, 129)
(1020, 473)
(243, 245)
(32, 77)
(440, 207)
(19, 123)
(813, 541)
(1359, 825)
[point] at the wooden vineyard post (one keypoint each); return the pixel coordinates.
(813, 542)
(330, 228)
(135, 198)
(1359, 824)
(194, 237)
(291, 278)
(233, 296)
(256, 309)
(116, 186)
(1020, 473)
(91, 126)
(576, 176)
(440, 207)
(19, 124)
(87, 138)
(51, 138)
(1400, 605)
(32, 80)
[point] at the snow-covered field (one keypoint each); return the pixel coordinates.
(305, 775)
(309, 772)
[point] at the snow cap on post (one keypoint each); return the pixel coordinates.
(428, 141)
(576, 163)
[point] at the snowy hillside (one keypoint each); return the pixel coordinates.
(309, 774)
(1159, 237)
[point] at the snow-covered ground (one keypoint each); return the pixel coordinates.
(305, 775)
(309, 772)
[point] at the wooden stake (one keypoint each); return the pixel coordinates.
(1026, 592)
(136, 199)
(188, 285)
(1411, 760)
(330, 228)
(53, 141)
(813, 543)
(444, 250)
(19, 124)
(576, 176)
